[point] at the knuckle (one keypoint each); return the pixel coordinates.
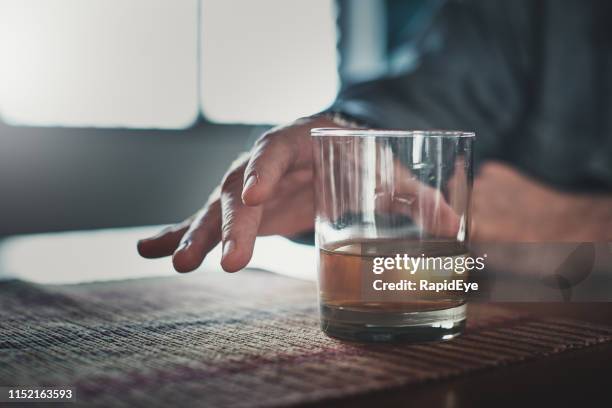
(229, 205)
(240, 161)
(267, 138)
(200, 220)
(232, 179)
(274, 144)
(206, 214)
(228, 224)
(226, 230)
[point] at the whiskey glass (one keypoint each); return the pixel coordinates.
(383, 194)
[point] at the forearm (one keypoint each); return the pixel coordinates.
(512, 207)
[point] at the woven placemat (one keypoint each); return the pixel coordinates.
(246, 339)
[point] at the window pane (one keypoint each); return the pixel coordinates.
(267, 61)
(119, 63)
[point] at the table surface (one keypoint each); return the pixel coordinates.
(265, 325)
(574, 378)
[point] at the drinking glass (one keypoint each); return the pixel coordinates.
(389, 194)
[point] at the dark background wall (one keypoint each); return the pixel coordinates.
(65, 178)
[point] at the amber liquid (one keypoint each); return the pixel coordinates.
(346, 278)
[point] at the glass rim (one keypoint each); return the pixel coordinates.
(361, 132)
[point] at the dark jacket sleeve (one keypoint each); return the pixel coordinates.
(472, 74)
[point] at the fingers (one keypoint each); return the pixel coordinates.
(164, 243)
(201, 237)
(226, 217)
(271, 157)
(425, 204)
(276, 220)
(235, 217)
(240, 224)
(434, 214)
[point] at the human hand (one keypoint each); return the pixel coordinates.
(269, 190)
(509, 206)
(265, 191)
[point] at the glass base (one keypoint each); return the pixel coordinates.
(384, 326)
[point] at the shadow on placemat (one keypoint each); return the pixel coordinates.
(248, 339)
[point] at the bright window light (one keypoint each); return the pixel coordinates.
(267, 61)
(102, 63)
(75, 257)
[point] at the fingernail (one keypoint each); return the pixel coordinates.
(228, 247)
(250, 181)
(184, 245)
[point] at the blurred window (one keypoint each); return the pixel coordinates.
(140, 63)
(267, 61)
(102, 63)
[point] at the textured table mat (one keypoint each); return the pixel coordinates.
(247, 339)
